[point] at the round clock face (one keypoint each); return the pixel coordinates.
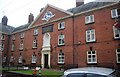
(47, 16)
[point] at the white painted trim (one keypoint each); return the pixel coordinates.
(87, 22)
(48, 5)
(59, 25)
(95, 58)
(117, 56)
(90, 36)
(64, 39)
(60, 9)
(115, 12)
(114, 33)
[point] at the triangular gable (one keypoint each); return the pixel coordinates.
(54, 12)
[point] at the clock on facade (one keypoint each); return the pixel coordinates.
(48, 15)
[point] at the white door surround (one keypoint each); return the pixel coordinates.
(46, 50)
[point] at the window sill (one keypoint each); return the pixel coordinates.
(35, 34)
(60, 63)
(91, 42)
(3, 39)
(12, 50)
(118, 63)
(22, 37)
(13, 39)
(20, 49)
(114, 17)
(116, 38)
(61, 29)
(34, 47)
(92, 63)
(61, 45)
(89, 23)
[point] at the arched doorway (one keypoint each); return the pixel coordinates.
(46, 51)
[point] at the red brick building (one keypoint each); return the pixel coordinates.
(86, 35)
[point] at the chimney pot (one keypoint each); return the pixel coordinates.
(79, 2)
(4, 20)
(30, 18)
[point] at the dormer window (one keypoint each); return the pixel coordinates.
(89, 19)
(61, 25)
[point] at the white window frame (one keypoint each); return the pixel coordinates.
(88, 19)
(62, 38)
(90, 34)
(116, 13)
(14, 37)
(2, 37)
(1, 47)
(92, 62)
(20, 59)
(61, 25)
(117, 55)
(21, 46)
(13, 47)
(34, 43)
(36, 31)
(4, 58)
(34, 59)
(22, 35)
(12, 59)
(61, 58)
(114, 31)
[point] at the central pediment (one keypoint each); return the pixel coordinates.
(50, 13)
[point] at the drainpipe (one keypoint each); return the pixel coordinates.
(8, 42)
(73, 41)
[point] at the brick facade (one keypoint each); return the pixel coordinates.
(76, 47)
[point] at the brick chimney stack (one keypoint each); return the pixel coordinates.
(4, 20)
(79, 2)
(30, 18)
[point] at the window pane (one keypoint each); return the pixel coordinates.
(93, 52)
(118, 50)
(114, 12)
(89, 52)
(91, 18)
(95, 75)
(118, 11)
(87, 19)
(118, 55)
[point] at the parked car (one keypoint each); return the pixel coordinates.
(91, 72)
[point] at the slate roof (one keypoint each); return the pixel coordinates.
(6, 29)
(92, 5)
(21, 27)
(88, 6)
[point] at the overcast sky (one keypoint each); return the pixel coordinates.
(17, 11)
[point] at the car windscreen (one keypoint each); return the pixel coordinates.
(76, 75)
